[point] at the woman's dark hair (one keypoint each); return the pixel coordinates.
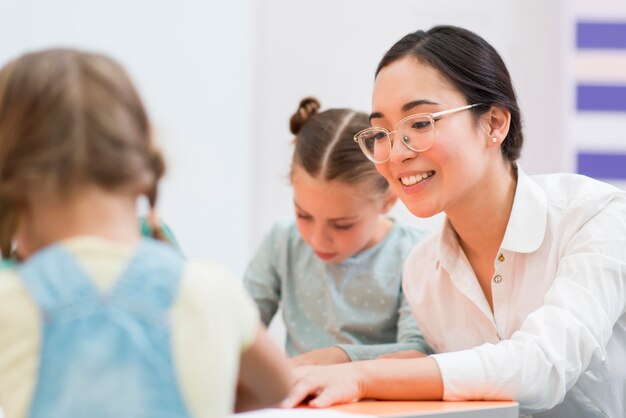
(325, 146)
(472, 66)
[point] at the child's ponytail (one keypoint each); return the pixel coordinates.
(157, 165)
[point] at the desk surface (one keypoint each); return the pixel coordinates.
(396, 409)
(408, 409)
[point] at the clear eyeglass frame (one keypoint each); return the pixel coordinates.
(419, 141)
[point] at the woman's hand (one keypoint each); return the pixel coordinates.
(388, 379)
(323, 386)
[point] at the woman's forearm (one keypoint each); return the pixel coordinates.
(400, 379)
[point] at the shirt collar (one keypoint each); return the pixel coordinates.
(526, 229)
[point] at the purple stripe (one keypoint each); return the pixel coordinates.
(602, 166)
(600, 98)
(611, 35)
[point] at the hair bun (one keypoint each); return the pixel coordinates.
(308, 107)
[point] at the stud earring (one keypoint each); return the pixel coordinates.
(494, 139)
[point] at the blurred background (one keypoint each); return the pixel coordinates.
(221, 78)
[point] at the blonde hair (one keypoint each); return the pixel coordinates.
(69, 119)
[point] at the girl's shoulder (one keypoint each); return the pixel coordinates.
(284, 228)
(8, 275)
(408, 234)
(208, 276)
(9, 282)
(284, 236)
(15, 301)
(208, 288)
(399, 241)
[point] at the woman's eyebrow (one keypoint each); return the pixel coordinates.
(376, 115)
(405, 108)
(410, 105)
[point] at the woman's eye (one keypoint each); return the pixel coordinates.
(420, 125)
(343, 227)
(303, 216)
(379, 136)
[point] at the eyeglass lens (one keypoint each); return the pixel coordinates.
(416, 132)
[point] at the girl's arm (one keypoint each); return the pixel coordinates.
(262, 279)
(416, 379)
(409, 339)
(264, 375)
(323, 356)
(410, 342)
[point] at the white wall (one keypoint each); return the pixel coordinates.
(192, 61)
(330, 49)
(221, 78)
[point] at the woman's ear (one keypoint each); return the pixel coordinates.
(496, 123)
(389, 200)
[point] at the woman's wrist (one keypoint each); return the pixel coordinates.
(415, 379)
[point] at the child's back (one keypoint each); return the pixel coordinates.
(96, 329)
(96, 321)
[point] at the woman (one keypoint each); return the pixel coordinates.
(523, 292)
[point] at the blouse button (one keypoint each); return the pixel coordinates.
(501, 258)
(497, 279)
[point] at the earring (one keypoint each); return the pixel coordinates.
(494, 139)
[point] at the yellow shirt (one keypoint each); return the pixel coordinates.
(212, 322)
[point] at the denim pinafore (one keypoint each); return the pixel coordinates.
(105, 355)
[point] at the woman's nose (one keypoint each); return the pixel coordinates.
(399, 149)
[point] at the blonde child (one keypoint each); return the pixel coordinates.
(96, 321)
(336, 271)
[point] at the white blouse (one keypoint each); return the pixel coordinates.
(556, 340)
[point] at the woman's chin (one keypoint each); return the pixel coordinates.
(423, 211)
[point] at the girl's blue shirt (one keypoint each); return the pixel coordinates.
(356, 305)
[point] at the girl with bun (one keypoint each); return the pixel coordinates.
(336, 271)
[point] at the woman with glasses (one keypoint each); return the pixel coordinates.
(522, 294)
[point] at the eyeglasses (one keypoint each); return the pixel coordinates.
(416, 132)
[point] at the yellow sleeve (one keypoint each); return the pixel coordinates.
(20, 330)
(213, 322)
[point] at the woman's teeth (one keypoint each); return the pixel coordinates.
(411, 180)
